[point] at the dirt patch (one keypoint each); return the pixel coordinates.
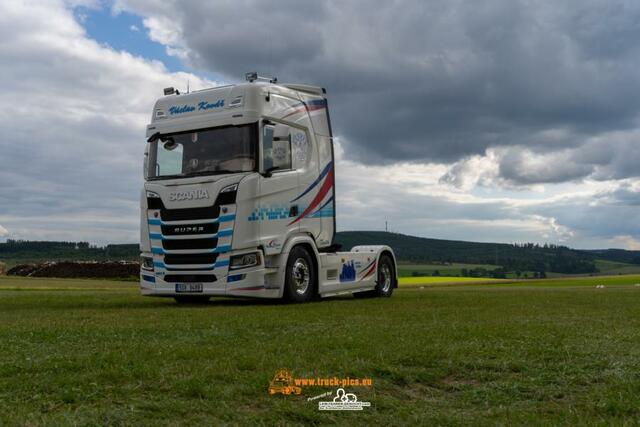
(68, 269)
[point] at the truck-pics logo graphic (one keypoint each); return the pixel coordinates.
(283, 383)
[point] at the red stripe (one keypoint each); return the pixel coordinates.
(326, 186)
(296, 111)
(373, 268)
(303, 108)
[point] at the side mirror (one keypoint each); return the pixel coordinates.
(276, 148)
(145, 163)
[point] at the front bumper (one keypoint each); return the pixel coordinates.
(249, 282)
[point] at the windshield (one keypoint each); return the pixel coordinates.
(227, 149)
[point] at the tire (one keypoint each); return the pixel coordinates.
(386, 277)
(385, 280)
(192, 299)
(300, 276)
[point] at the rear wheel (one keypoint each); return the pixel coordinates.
(385, 282)
(300, 280)
(192, 299)
(386, 276)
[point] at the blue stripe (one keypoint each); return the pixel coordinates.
(226, 218)
(325, 204)
(155, 236)
(322, 102)
(222, 249)
(223, 218)
(234, 278)
(225, 233)
(322, 175)
(219, 250)
(149, 278)
(221, 263)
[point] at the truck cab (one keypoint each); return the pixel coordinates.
(239, 199)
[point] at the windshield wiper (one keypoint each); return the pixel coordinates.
(216, 172)
(199, 173)
(179, 175)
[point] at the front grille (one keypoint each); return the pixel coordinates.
(191, 238)
(178, 230)
(172, 259)
(190, 244)
(208, 212)
(190, 278)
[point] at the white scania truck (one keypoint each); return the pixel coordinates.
(239, 199)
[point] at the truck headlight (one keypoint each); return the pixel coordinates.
(245, 260)
(146, 263)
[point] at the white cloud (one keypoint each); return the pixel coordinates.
(72, 143)
(626, 242)
(73, 138)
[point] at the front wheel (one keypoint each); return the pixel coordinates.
(300, 280)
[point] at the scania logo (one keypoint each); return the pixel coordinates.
(189, 195)
(188, 229)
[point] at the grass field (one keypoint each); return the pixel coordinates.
(536, 352)
(453, 269)
(612, 267)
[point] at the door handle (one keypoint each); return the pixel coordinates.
(293, 212)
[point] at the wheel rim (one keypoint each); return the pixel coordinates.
(300, 276)
(385, 277)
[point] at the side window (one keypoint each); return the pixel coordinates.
(301, 148)
(276, 145)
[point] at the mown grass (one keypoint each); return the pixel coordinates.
(427, 280)
(613, 267)
(535, 352)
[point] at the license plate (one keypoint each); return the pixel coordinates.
(188, 287)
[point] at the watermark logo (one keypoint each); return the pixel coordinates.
(343, 401)
(283, 383)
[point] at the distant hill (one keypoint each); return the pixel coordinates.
(20, 251)
(512, 257)
(408, 249)
(617, 255)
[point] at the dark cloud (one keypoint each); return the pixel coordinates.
(494, 95)
(437, 80)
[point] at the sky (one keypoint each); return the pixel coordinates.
(495, 121)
